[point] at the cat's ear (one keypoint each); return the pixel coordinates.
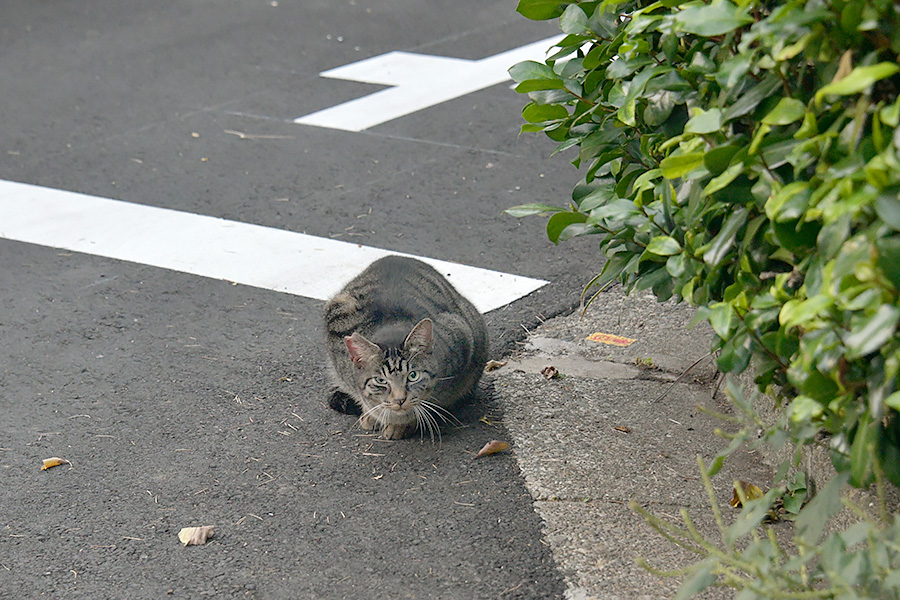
(362, 351)
(421, 338)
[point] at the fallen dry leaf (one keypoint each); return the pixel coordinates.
(550, 372)
(195, 536)
(493, 365)
(53, 462)
(750, 491)
(610, 339)
(622, 429)
(492, 447)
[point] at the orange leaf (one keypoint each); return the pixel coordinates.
(492, 447)
(610, 339)
(53, 462)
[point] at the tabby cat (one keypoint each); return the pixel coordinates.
(405, 347)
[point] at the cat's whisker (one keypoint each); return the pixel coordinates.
(420, 424)
(429, 414)
(445, 415)
(432, 424)
(422, 418)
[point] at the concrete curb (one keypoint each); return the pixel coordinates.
(623, 424)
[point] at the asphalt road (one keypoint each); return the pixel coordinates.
(181, 400)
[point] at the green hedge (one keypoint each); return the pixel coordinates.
(745, 158)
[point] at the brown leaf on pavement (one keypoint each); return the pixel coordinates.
(492, 447)
(750, 491)
(195, 536)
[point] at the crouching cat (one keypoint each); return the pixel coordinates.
(405, 347)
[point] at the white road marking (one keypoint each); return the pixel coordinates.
(419, 81)
(263, 257)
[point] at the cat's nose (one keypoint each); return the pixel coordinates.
(398, 398)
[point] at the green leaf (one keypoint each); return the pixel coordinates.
(724, 240)
(890, 115)
(789, 203)
(540, 85)
(664, 245)
(678, 165)
(540, 10)
(708, 121)
(530, 69)
(719, 158)
(626, 113)
(574, 21)
(804, 409)
(619, 209)
(858, 79)
(527, 210)
(796, 312)
(862, 451)
(873, 332)
(558, 222)
(658, 109)
(785, 112)
(796, 236)
(752, 97)
(575, 230)
(716, 18)
(808, 127)
(893, 401)
(539, 113)
(887, 205)
(534, 76)
(721, 317)
(832, 236)
(717, 183)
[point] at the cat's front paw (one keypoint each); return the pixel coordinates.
(396, 432)
(368, 423)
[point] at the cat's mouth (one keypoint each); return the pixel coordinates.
(399, 407)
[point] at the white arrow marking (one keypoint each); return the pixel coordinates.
(262, 257)
(419, 81)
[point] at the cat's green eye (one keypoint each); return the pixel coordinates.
(413, 376)
(380, 380)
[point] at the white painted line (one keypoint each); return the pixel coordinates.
(263, 257)
(419, 81)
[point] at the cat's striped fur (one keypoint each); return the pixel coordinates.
(405, 346)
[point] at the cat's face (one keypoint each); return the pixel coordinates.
(396, 383)
(399, 381)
